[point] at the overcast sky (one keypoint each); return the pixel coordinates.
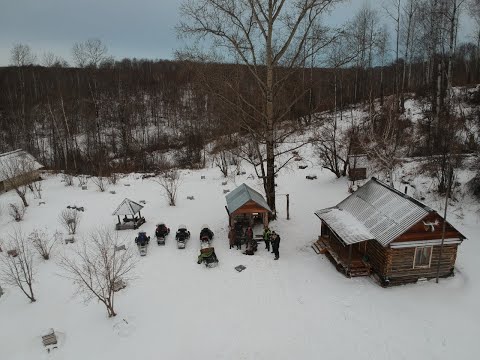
(140, 28)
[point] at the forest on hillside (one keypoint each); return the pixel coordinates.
(99, 115)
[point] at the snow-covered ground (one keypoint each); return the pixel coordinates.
(299, 307)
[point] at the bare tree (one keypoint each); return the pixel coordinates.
(18, 270)
(383, 138)
(98, 266)
(17, 211)
(36, 189)
(101, 182)
(273, 40)
(332, 144)
(49, 59)
(70, 219)
(22, 55)
(170, 182)
(44, 242)
(221, 161)
(90, 52)
(67, 179)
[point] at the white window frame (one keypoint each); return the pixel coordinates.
(429, 260)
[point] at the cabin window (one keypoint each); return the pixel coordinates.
(423, 257)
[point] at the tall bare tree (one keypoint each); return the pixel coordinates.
(22, 55)
(272, 39)
(98, 266)
(18, 267)
(91, 52)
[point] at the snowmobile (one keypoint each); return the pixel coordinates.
(161, 233)
(182, 236)
(206, 236)
(208, 257)
(142, 241)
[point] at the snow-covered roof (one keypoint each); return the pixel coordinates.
(17, 162)
(128, 207)
(385, 212)
(349, 229)
(242, 195)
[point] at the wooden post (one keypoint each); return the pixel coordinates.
(288, 206)
(119, 219)
(349, 258)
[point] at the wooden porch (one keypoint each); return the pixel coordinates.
(347, 259)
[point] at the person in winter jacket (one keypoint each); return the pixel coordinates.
(232, 237)
(249, 234)
(275, 238)
(266, 237)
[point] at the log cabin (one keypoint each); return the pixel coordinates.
(381, 231)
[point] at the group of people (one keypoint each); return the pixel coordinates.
(270, 238)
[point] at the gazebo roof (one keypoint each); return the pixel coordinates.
(128, 207)
(242, 195)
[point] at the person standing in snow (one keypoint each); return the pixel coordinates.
(232, 237)
(275, 238)
(249, 234)
(266, 237)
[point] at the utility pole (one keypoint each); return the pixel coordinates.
(450, 175)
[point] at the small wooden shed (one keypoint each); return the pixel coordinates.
(247, 203)
(132, 218)
(357, 167)
(382, 230)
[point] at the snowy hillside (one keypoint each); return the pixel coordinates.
(299, 307)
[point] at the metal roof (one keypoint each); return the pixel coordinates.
(17, 162)
(348, 229)
(385, 212)
(243, 194)
(128, 207)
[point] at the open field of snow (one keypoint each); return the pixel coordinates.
(299, 307)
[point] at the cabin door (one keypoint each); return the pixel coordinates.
(362, 247)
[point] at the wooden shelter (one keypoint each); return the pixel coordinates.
(132, 218)
(380, 230)
(246, 204)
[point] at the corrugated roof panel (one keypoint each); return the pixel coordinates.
(385, 212)
(349, 229)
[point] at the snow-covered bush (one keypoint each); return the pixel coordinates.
(82, 180)
(70, 219)
(43, 242)
(170, 182)
(101, 182)
(17, 211)
(67, 179)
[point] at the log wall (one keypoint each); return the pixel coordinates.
(378, 256)
(402, 263)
